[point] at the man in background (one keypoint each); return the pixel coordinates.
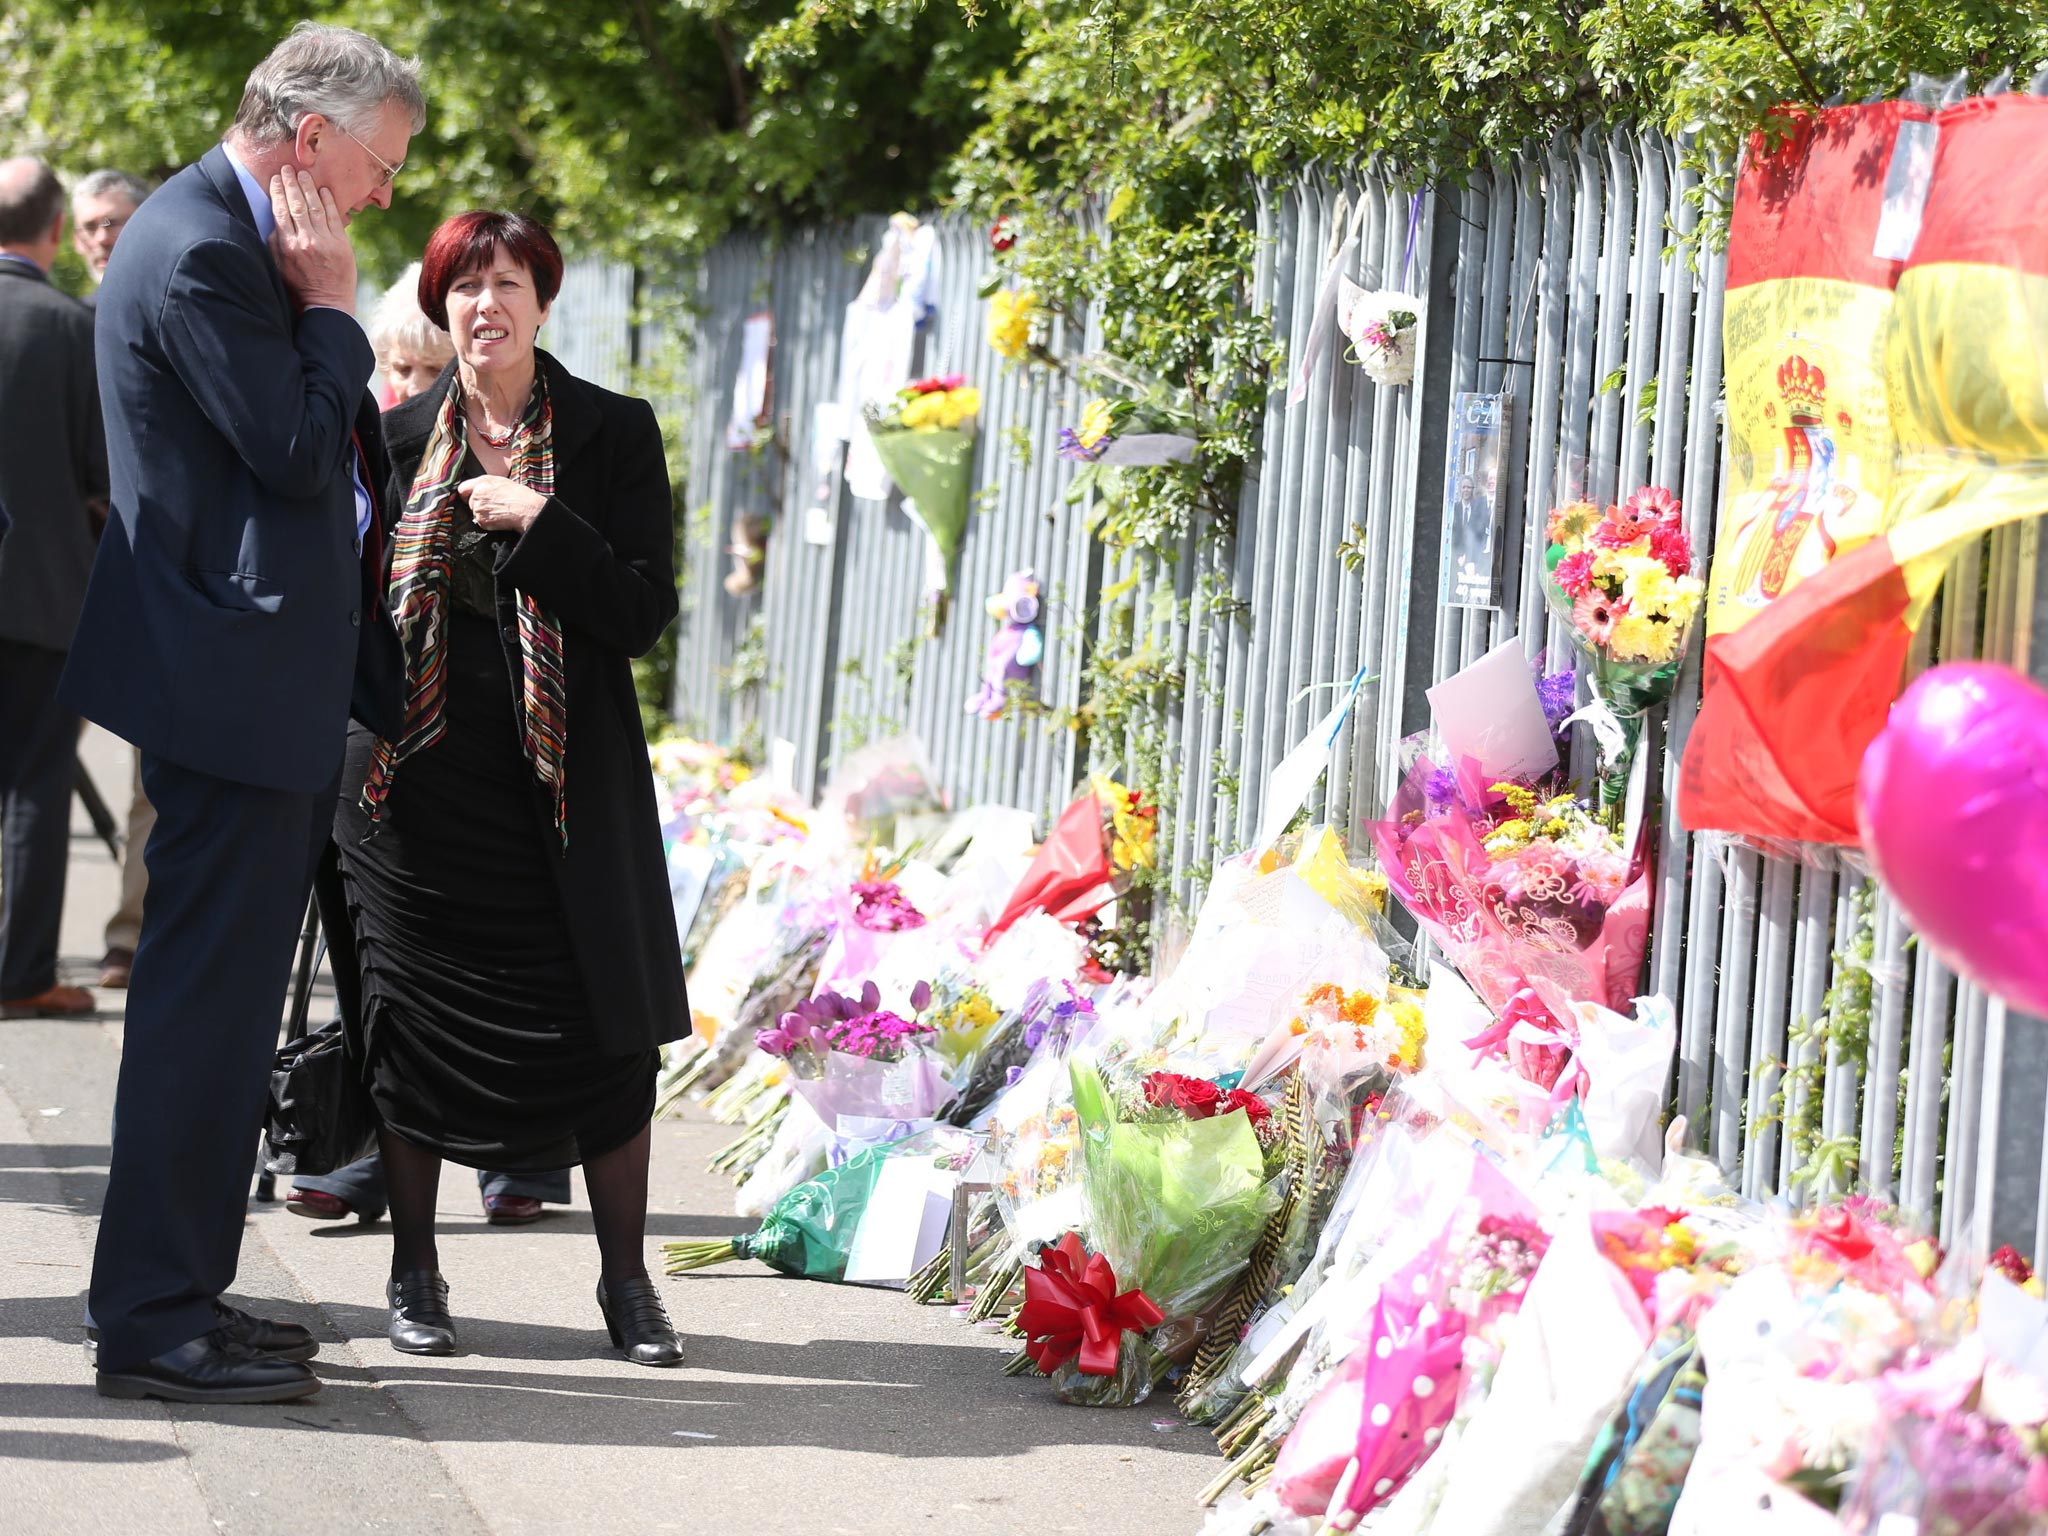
(53, 478)
(101, 205)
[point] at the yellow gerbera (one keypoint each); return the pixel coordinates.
(1570, 523)
(1011, 315)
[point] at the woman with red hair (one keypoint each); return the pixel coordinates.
(501, 861)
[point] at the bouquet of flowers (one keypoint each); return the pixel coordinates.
(1349, 1034)
(925, 439)
(1952, 1473)
(1624, 582)
(1124, 433)
(1381, 327)
(871, 1075)
(1452, 1274)
(1134, 423)
(821, 1230)
(1176, 1190)
(1518, 882)
(1043, 1021)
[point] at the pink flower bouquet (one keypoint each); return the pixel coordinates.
(1525, 884)
(871, 1075)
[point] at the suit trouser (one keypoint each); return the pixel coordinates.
(124, 928)
(38, 757)
(230, 866)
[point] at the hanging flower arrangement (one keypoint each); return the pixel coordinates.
(1382, 327)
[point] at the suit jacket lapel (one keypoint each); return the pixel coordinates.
(227, 186)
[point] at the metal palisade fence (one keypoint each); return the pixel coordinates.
(1819, 1046)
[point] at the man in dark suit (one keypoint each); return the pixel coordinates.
(53, 469)
(234, 621)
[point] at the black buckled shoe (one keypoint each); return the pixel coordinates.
(638, 1322)
(279, 1341)
(218, 1367)
(420, 1324)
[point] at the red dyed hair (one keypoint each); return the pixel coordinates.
(467, 243)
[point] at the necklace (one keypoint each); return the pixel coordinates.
(499, 443)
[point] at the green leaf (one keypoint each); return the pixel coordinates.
(1119, 204)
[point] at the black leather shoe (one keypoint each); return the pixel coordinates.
(214, 1368)
(638, 1322)
(279, 1341)
(420, 1324)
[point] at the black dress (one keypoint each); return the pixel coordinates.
(475, 1016)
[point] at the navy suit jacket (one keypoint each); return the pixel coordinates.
(231, 625)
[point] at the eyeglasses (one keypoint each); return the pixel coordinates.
(384, 165)
(107, 226)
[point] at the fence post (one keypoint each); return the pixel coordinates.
(1416, 625)
(2012, 1159)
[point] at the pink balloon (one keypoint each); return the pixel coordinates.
(1952, 801)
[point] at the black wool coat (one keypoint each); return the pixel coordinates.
(600, 556)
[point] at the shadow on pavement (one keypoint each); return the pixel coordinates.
(56, 1445)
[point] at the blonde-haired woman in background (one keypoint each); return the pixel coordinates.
(411, 353)
(411, 350)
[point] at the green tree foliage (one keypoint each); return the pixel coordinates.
(637, 126)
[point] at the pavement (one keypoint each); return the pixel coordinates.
(802, 1408)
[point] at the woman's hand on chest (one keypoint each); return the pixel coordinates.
(501, 505)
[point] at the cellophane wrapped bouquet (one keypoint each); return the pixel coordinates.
(1518, 882)
(1626, 585)
(1328, 1070)
(870, 1074)
(1176, 1188)
(924, 437)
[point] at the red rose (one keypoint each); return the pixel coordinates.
(1002, 234)
(1255, 1108)
(1195, 1097)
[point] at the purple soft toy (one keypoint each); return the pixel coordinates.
(1014, 649)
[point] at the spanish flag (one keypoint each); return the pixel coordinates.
(1833, 550)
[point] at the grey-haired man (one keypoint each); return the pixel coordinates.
(234, 622)
(101, 205)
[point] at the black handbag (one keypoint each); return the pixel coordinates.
(320, 1115)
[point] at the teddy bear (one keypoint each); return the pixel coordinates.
(1014, 649)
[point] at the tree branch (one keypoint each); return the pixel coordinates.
(736, 76)
(1812, 91)
(650, 39)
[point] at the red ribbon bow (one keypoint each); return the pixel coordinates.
(1071, 1307)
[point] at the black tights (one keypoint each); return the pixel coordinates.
(618, 1204)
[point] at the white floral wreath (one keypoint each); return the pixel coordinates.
(1382, 326)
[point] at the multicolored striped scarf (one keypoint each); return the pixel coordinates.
(421, 566)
